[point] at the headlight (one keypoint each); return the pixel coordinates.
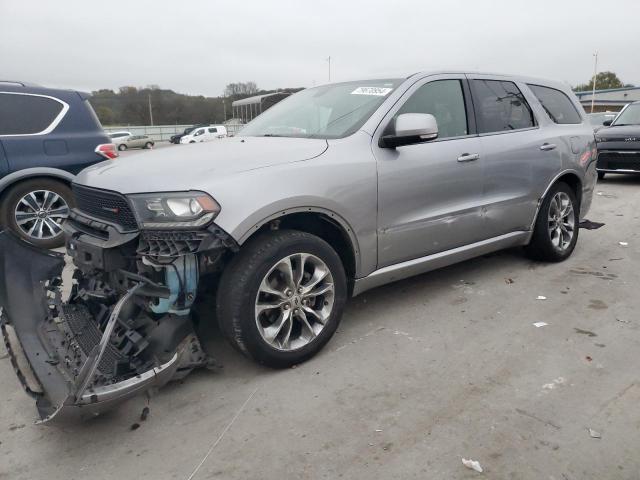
(174, 209)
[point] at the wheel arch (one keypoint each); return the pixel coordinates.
(323, 223)
(571, 178)
(34, 173)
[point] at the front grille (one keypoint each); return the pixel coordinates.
(105, 205)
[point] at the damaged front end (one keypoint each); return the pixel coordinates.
(119, 325)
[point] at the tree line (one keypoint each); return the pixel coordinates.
(130, 105)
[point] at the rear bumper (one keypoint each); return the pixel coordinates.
(47, 354)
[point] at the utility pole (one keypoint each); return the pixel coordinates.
(329, 60)
(150, 111)
(595, 75)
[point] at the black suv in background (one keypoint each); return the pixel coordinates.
(46, 137)
(619, 143)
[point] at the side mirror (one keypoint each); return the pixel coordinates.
(411, 128)
(606, 123)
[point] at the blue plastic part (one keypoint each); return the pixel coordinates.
(180, 276)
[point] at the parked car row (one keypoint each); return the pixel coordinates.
(343, 188)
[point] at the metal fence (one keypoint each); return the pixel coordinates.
(158, 133)
(161, 133)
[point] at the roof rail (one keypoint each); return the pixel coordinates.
(22, 84)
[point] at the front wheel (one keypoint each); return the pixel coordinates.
(281, 298)
(122, 147)
(148, 145)
(600, 175)
(556, 229)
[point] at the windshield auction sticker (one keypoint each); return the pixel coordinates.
(376, 91)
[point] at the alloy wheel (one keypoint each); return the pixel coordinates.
(294, 302)
(561, 221)
(39, 214)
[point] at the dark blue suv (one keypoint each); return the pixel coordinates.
(46, 137)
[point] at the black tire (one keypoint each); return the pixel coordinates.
(601, 175)
(122, 147)
(238, 290)
(148, 145)
(17, 192)
(541, 246)
(192, 141)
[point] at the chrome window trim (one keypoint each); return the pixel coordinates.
(56, 121)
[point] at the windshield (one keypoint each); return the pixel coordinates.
(629, 116)
(329, 111)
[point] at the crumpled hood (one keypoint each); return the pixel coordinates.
(189, 167)
(619, 133)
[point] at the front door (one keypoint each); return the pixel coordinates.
(430, 194)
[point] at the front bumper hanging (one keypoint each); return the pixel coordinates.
(59, 353)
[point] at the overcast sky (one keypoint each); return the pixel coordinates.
(199, 46)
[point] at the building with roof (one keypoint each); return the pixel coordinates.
(249, 108)
(610, 100)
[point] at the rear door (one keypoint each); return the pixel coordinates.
(430, 194)
(517, 154)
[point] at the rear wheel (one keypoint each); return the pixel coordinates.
(148, 145)
(35, 210)
(600, 175)
(556, 230)
(281, 298)
(122, 147)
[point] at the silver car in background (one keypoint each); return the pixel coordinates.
(333, 191)
(133, 141)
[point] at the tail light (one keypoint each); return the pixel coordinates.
(107, 150)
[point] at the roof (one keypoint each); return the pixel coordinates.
(256, 99)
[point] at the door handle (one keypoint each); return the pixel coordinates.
(547, 146)
(468, 157)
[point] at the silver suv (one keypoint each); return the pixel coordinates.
(336, 190)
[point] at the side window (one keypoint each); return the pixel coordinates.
(444, 100)
(557, 105)
(198, 132)
(213, 130)
(26, 114)
(500, 106)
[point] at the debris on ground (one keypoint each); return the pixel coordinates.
(623, 244)
(614, 259)
(589, 333)
(588, 358)
(508, 281)
(135, 426)
(541, 297)
(472, 464)
(622, 320)
(540, 324)
(554, 384)
(144, 414)
(594, 434)
(589, 225)
(378, 430)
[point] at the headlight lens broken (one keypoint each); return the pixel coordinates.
(174, 209)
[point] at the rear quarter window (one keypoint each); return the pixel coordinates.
(557, 105)
(23, 114)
